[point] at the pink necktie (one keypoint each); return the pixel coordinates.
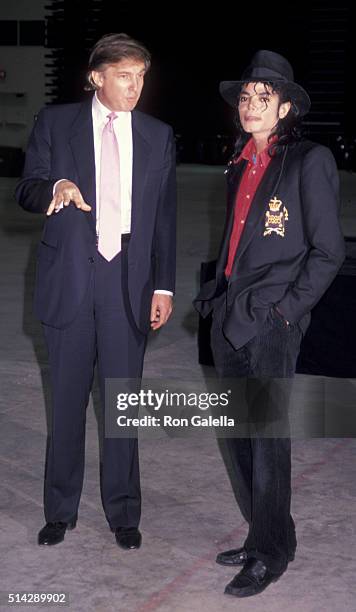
(109, 243)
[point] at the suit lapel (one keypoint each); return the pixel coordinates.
(141, 155)
(264, 193)
(82, 145)
(233, 180)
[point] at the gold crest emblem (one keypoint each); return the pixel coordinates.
(275, 218)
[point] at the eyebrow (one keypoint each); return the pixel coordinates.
(119, 70)
(259, 93)
(129, 72)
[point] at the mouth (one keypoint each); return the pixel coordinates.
(252, 118)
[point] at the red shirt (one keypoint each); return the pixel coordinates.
(257, 164)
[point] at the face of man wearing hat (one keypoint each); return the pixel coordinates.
(259, 111)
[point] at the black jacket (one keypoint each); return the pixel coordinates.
(62, 146)
(291, 247)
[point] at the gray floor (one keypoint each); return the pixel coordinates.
(189, 512)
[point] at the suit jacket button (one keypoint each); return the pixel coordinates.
(91, 259)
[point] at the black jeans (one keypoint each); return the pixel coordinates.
(261, 466)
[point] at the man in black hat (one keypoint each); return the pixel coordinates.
(281, 248)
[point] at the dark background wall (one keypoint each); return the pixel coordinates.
(195, 45)
(193, 52)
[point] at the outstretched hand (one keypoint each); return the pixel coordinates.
(65, 193)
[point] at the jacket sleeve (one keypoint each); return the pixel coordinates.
(164, 240)
(320, 203)
(35, 189)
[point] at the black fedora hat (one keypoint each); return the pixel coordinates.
(267, 66)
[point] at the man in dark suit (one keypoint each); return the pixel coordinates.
(282, 246)
(104, 175)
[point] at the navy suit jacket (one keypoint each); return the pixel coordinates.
(62, 146)
(290, 250)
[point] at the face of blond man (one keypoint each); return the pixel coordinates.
(119, 85)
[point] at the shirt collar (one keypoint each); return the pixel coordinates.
(101, 112)
(249, 152)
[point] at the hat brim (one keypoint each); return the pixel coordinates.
(231, 89)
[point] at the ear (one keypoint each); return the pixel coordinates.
(284, 109)
(97, 78)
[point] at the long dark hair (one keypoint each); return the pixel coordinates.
(288, 129)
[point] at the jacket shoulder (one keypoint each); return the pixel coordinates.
(151, 123)
(60, 118)
(314, 150)
(55, 110)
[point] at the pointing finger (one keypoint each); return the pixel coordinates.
(51, 208)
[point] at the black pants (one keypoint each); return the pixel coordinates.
(262, 465)
(104, 333)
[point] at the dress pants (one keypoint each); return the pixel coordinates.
(103, 332)
(262, 465)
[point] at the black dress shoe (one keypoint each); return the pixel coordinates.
(251, 580)
(53, 533)
(238, 556)
(128, 538)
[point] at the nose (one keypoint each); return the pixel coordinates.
(253, 101)
(134, 84)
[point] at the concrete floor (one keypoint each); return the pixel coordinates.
(189, 512)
